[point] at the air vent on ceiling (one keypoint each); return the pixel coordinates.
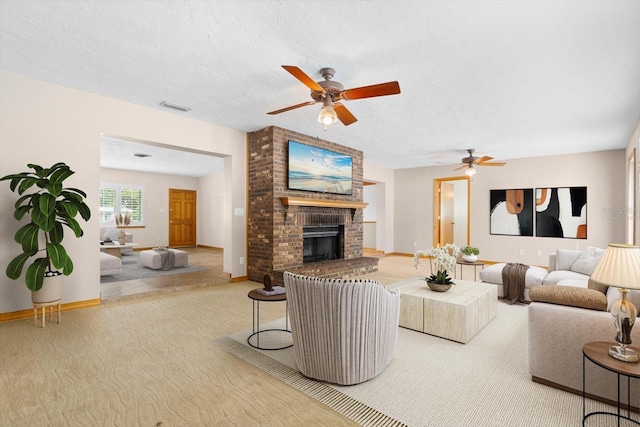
(174, 106)
(141, 155)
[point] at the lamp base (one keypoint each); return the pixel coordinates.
(624, 354)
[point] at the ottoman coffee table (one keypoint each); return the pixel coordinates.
(458, 314)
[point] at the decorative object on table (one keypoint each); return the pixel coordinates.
(122, 238)
(267, 282)
(445, 258)
(572, 202)
(470, 254)
(511, 212)
(49, 207)
(620, 267)
(122, 219)
(275, 290)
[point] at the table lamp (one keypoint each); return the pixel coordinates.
(620, 267)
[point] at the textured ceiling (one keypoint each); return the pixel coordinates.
(511, 79)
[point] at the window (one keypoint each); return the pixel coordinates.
(118, 199)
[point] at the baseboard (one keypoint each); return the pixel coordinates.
(210, 247)
(579, 393)
(239, 279)
(24, 314)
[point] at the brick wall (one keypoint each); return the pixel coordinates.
(274, 231)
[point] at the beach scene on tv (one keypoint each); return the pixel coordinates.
(317, 169)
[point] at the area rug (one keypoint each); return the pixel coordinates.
(436, 382)
(131, 270)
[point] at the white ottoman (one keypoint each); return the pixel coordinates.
(493, 274)
(152, 259)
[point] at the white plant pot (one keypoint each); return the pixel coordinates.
(470, 258)
(51, 290)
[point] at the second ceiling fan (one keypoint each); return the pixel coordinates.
(330, 92)
(471, 160)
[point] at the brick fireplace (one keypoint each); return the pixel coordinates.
(278, 217)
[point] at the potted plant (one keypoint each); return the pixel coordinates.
(49, 206)
(470, 254)
(444, 258)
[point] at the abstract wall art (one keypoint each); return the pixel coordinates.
(561, 212)
(511, 212)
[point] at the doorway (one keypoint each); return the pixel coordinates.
(451, 211)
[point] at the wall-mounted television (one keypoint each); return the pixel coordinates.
(320, 170)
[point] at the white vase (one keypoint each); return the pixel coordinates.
(50, 291)
(470, 258)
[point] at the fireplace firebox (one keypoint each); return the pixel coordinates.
(322, 243)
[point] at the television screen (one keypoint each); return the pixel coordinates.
(318, 169)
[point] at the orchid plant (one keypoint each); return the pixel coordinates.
(444, 258)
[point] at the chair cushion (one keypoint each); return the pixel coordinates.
(569, 296)
(587, 260)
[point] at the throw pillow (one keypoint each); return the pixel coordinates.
(587, 261)
(112, 234)
(565, 258)
(569, 296)
(592, 284)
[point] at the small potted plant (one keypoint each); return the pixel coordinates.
(470, 254)
(49, 207)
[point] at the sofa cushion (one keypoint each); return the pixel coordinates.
(557, 275)
(587, 261)
(613, 295)
(565, 258)
(569, 296)
(493, 274)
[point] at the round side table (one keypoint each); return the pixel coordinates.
(256, 298)
(598, 353)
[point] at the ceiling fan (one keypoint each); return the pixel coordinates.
(471, 160)
(330, 92)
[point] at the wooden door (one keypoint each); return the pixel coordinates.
(182, 218)
(446, 213)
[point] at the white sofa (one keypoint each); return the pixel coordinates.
(572, 267)
(109, 264)
(558, 331)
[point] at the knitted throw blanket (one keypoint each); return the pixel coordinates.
(167, 258)
(513, 281)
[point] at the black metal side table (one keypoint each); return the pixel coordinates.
(598, 353)
(256, 298)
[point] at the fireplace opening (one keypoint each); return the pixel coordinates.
(321, 243)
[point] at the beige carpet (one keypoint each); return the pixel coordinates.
(436, 382)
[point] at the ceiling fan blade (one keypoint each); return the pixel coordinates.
(305, 79)
(462, 166)
(482, 160)
(343, 114)
(293, 107)
(492, 164)
(382, 89)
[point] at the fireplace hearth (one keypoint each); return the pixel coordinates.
(321, 243)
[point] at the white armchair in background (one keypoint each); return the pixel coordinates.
(344, 331)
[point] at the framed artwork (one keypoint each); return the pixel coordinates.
(511, 212)
(320, 170)
(561, 212)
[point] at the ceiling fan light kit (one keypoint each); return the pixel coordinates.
(470, 171)
(329, 92)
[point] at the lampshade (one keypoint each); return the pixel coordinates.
(327, 115)
(619, 267)
(470, 171)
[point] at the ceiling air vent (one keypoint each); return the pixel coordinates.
(174, 106)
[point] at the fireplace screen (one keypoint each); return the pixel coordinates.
(321, 244)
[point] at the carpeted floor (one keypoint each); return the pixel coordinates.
(131, 270)
(437, 382)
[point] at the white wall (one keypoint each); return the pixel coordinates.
(211, 208)
(634, 143)
(384, 179)
(44, 123)
(603, 174)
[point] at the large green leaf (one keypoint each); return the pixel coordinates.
(58, 176)
(34, 276)
(14, 269)
(57, 233)
(27, 183)
(68, 267)
(47, 204)
(45, 222)
(27, 237)
(57, 255)
(85, 212)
